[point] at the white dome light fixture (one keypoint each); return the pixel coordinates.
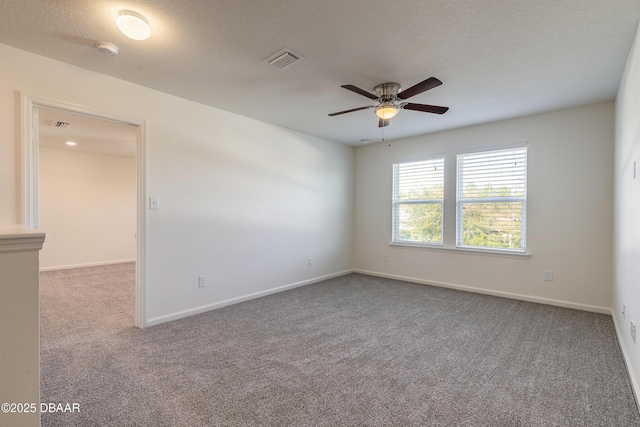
(133, 25)
(387, 110)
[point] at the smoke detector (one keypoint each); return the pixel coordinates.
(107, 48)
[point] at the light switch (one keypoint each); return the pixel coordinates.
(154, 203)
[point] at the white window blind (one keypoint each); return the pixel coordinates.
(418, 190)
(492, 200)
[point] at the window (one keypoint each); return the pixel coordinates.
(418, 190)
(492, 200)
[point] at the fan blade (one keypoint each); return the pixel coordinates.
(430, 83)
(382, 123)
(425, 108)
(362, 92)
(350, 111)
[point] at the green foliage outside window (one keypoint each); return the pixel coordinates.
(421, 221)
(494, 224)
(488, 225)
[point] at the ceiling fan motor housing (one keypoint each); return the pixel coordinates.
(387, 91)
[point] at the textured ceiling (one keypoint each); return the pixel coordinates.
(497, 58)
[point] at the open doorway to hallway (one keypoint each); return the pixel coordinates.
(30, 125)
(87, 202)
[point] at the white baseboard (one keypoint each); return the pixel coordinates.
(91, 264)
(202, 309)
(510, 295)
(627, 361)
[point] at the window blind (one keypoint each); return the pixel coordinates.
(491, 200)
(418, 191)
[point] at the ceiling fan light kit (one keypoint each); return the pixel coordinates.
(387, 111)
(389, 97)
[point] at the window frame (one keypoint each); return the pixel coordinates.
(459, 232)
(396, 202)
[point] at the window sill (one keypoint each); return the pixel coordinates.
(463, 251)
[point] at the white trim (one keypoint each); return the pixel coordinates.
(465, 251)
(635, 387)
(29, 180)
(89, 264)
(416, 245)
(510, 295)
(28, 164)
(142, 220)
(18, 238)
(204, 308)
(501, 147)
(419, 158)
(80, 109)
(21, 244)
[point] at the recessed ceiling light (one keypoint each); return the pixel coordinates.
(71, 143)
(133, 25)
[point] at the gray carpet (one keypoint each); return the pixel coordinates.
(351, 351)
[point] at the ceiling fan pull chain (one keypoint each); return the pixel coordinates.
(383, 139)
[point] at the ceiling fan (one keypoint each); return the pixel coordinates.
(389, 97)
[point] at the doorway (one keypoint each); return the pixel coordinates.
(106, 144)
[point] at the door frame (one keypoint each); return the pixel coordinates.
(29, 187)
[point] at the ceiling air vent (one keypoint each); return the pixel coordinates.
(59, 124)
(284, 59)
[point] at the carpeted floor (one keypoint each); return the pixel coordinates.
(351, 351)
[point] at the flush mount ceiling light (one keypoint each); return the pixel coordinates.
(133, 25)
(71, 143)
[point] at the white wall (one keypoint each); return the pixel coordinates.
(242, 202)
(88, 208)
(626, 288)
(569, 215)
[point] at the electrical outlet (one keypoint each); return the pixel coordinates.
(309, 263)
(548, 276)
(202, 281)
(624, 308)
(633, 331)
(386, 257)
